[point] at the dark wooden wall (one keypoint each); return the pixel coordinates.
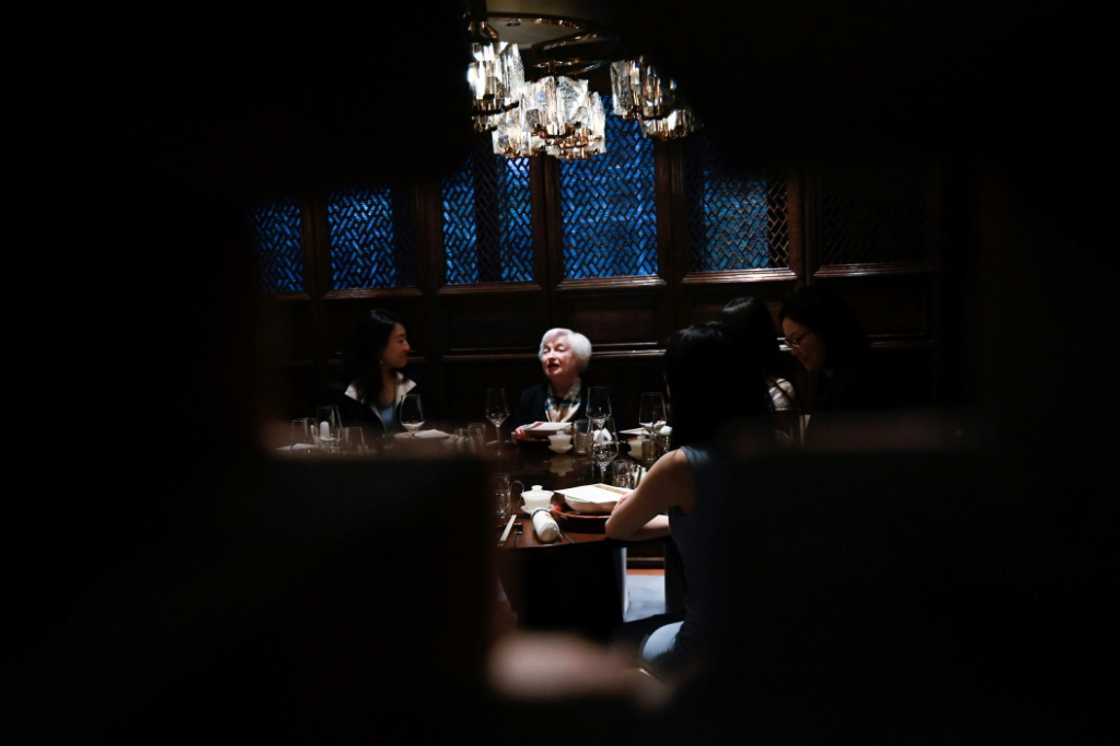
(466, 338)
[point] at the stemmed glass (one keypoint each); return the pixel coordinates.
(651, 414)
(497, 411)
(598, 405)
(326, 431)
(604, 446)
(412, 414)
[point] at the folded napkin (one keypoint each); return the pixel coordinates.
(425, 434)
(545, 526)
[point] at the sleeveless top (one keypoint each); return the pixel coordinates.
(691, 533)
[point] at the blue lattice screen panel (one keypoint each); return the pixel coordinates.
(607, 207)
(872, 216)
(488, 220)
(371, 240)
(277, 232)
(736, 220)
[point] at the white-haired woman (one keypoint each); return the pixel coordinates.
(564, 355)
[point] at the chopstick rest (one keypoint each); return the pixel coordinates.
(545, 526)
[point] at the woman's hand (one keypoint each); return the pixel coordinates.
(621, 500)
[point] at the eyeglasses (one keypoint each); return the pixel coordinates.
(795, 342)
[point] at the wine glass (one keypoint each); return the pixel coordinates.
(604, 446)
(300, 435)
(598, 405)
(325, 432)
(651, 413)
(412, 414)
(497, 411)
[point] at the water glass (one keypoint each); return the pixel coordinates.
(300, 435)
(352, 439)
(582, 438)
(506, 499)
(328, 423)
(625, 474)
(476, 432)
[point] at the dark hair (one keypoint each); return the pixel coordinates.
(829, 317)
(363, 354)
(749, 323)
(712, 383)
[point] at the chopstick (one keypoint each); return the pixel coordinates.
(509, 525)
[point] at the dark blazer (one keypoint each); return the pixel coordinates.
(354, 412)
(531, 407)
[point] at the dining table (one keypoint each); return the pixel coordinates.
(576, 583)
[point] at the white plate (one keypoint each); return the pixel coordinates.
(666, 430)
(592, 498)
(547, 427)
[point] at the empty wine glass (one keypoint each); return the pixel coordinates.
(412, 414)
(651, 414)
(604, 446)
(327, 430)
(598, 405)
(497, 411)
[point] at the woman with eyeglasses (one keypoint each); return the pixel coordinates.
(749, 323)
(828, 341)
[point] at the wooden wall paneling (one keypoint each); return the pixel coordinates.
(319, 260)
(703, 300)
(810, 193)
(553, 228)
(614, 317)
(499, 317)
(795, 215)
(468, 376)
(543, 195)
(429, 232)
(889, 306)
(671, 220)
(628, 373)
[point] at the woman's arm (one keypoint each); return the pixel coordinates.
(668, 484)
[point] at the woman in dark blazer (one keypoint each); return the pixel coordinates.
(376, 385)
(564, 355)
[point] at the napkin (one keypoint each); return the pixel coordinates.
(425, 434)
(545, 526)
(297, 447)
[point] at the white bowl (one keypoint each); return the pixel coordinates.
(536, 499)
(557, 447)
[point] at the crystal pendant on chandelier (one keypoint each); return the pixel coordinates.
(496, 79)
(640, 93)
(557, 116)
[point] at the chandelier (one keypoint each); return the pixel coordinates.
(496, 77)
(557, 115)
(640, 93)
